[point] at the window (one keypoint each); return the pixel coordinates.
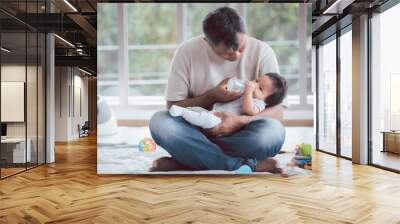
(286, 27)
(335, 137)
(327, 97)
(22, 75)
(152, 39)
(346, 94)
(262, 20)
(385, 87)
(107, 57)
(134, 58)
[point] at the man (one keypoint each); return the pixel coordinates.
(199, 73)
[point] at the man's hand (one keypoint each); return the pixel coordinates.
(221, 94)
(207, 100)
(229, 124)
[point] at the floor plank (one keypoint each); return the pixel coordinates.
(70, 191)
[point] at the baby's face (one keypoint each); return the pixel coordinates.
(264, 88)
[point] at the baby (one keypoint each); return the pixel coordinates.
(267, 91)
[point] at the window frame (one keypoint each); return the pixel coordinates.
(334, 37)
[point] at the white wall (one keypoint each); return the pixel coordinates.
(61, 103)
(33, 126)
(70, 83)
(16, 73)
(79, 117)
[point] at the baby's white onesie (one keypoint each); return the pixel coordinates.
(203, 118)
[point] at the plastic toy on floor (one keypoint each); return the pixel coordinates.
(245, 169)
(147, 145)
(302, 158)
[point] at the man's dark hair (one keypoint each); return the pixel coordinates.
(222, 25)
(279, 83)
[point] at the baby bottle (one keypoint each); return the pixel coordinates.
(235, 84)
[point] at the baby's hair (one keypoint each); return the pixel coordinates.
(279, 83)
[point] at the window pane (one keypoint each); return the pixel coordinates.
(273, 22)
(385, 85)
(147, 90)
(13, 76)
(150, 23)
(149, 64)
(293, 85)
(106, 89)
(107, 76)
(32, 100)
(288, 59)
(346, 94)
(309, 88)
(277, 24)
(107, 27)
(41, 99)
(327, 97)
(107, 62)
(310, 66)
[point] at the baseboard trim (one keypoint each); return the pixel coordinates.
(298, 123)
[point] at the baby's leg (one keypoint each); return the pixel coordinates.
(201, 119)
(195, 116)
(198, 109)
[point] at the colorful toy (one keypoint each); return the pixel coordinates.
(245, 169)
(305, 149)
(147, 145)
(303, 156)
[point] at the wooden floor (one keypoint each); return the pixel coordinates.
(70, 191)
(10, 171)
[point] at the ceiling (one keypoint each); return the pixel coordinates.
(332, 15)
(72, 20)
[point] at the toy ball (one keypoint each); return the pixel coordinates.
(147, 145)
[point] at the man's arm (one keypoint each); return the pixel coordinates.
(231, 122)
(206, 101)
(275, 112)
(218, 94)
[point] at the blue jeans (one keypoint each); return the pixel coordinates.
(189, 146)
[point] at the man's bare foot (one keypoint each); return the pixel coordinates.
(268, 165)
(166, 164)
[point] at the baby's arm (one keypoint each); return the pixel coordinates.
(249, 107)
